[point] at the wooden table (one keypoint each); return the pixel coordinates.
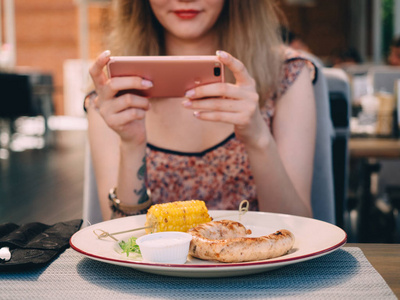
(367, 152)
(374, 148)
(385, 258)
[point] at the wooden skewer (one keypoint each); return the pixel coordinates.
(105, 234)
(243, 208)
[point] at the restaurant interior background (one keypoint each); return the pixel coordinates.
(42, 152)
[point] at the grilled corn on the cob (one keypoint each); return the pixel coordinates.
(176, 216)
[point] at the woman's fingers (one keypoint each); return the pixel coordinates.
(224, 102)
(124, 110)
(236, 104)
(230, 98)
(224, 117)
(126, 101)
(223, 90)
(108, 88)
(238, 69)
(118, 84)
(126, 83)
(120, 120)
(96, 70)
(244, 88)
(223, 105)
(237, 112)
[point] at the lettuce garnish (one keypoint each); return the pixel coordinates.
(130, 246)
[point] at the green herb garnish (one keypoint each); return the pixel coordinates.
(130, 246)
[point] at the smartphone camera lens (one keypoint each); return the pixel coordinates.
(217, 71)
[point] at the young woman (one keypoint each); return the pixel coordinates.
(257, 143)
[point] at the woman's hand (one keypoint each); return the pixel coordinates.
(236, 104)
(125, 113)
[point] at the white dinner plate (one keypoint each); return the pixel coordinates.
(314, 238)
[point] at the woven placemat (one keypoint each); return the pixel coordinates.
(343, 274)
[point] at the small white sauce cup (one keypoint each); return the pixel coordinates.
(170, 247)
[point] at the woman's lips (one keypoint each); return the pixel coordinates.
(186, 14)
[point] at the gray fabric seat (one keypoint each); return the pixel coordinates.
(340, 104)
(322, 193)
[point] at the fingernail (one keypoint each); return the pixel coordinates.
(222, 54)
(189, 93)
(187, 103)
(196, 114)
(147, 83)
(105, 54)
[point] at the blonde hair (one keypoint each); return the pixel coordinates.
(249, 30)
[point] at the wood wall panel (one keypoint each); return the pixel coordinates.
(47, 34)
(324, 27)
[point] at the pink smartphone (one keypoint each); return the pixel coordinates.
(172, 76)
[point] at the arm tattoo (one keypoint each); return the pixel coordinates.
(142, 175)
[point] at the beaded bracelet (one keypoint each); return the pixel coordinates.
(126, 210)
(89, 97)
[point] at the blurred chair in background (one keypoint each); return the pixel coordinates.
(26, 95)
(17, 96)
(382, 78)
(340, 108)
(322, 193)
(91, 205)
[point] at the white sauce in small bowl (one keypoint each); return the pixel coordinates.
(162, 242)
(169, 247)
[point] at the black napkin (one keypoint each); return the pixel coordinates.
(35, 244)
